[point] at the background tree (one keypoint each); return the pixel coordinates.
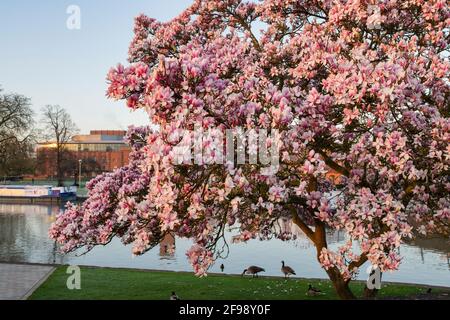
(16, 158)
(45, 160)
(59, 129)
(352, 87)
(16, 135)
(47, 157)
(91, 166)
(70, 166)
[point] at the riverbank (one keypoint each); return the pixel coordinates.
(81, 191)
(80, 196)
(129, 284)
(49, 200)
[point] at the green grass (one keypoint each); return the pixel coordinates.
(118, 284)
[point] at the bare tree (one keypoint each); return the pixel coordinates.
(16, 116)
(16, 157)
(59, 129)
(16, 134)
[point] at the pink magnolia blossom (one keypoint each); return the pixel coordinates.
(369, 105)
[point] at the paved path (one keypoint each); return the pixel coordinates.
(18, 281)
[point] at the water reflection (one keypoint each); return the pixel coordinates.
(23, 238)
(23, 233)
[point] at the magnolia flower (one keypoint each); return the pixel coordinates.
(370, 110)
(277, 193)
(235, 204)
(169, 222)
(229, 184)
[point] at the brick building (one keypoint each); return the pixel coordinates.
(106, 148)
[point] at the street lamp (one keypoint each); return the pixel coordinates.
(79, 173)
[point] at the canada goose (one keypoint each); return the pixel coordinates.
(286, 270)
(174, 296)
(222, 267)
(313, 291)
(253, 270)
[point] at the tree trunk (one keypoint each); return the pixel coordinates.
(58, 168)
(319, 239)
(340, 285)
(371, 293)
(76, 179)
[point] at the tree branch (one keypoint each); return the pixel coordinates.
(332, 164)
(358, 263)
(301, 224)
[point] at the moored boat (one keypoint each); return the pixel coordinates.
(31, 193)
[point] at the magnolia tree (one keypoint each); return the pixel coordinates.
(353, 94)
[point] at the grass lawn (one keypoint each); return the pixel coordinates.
(118, 284)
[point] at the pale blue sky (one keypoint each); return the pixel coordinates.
(42, 59)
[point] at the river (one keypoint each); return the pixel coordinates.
(23, 238)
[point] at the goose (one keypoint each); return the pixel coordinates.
(222, 267)
(174, 296)
(313, 291)
(253, 270)
(286, 270)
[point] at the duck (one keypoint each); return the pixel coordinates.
(313, 291)
(222, 267)
(286, 270)
(174, 296)
(253, 270)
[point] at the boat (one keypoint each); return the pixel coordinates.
(32, 193)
